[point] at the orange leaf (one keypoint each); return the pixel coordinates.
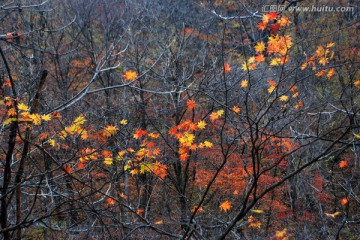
(227, 68)
(56, 115)
(130, 75)
(43, 135)
(299, 104)
(106, 153)
(67, 169)
(262, 26)
(111, 201)
(11, 112)
(225, 206)
(272, 83)
(331, 73)
(344, 201)
(259, 58)
(81, 165)
(191, 104)
(272, 15)
(236, 109)
(139, 133)
(122, 195)
(293, 88)
(343, 164)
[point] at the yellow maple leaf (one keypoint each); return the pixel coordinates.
(245, 66)
(123, 122)
(46, 117)
(110, 130)
(260, 47)
(201, 124)
(23, 107)
(187, 139)
(108, 160)
(220, 112)
(35, 118)
(275, 62)
(52, 142)
(356, 135)
(281, 233)
(244, 83)
(208, 144)
(284, 98)
(80, 120)
(271, 89)
(225, 206)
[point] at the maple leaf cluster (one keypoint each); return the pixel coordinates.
(321, 58)
(185, 134)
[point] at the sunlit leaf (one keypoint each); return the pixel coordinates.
(201, 124)
(111, 201)
(123, 122)
(271, 89)
(244, 83)
(130, 75)
(191, 104)
(236, 109)
(344, 201)
(46, 117)
(333, 215)
(227, 68)
(108, 160)
(35, 118)
(139, 133)
(259, 47)
(80, 120)
(23, 107)
(110, 130)
(284, 98)
(257, 211)
(225, 206)
(343, 164)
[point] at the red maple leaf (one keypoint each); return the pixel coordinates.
(139, 133)
(274, 28)
(191, 104)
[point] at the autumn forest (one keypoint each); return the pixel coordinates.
(180, 119)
